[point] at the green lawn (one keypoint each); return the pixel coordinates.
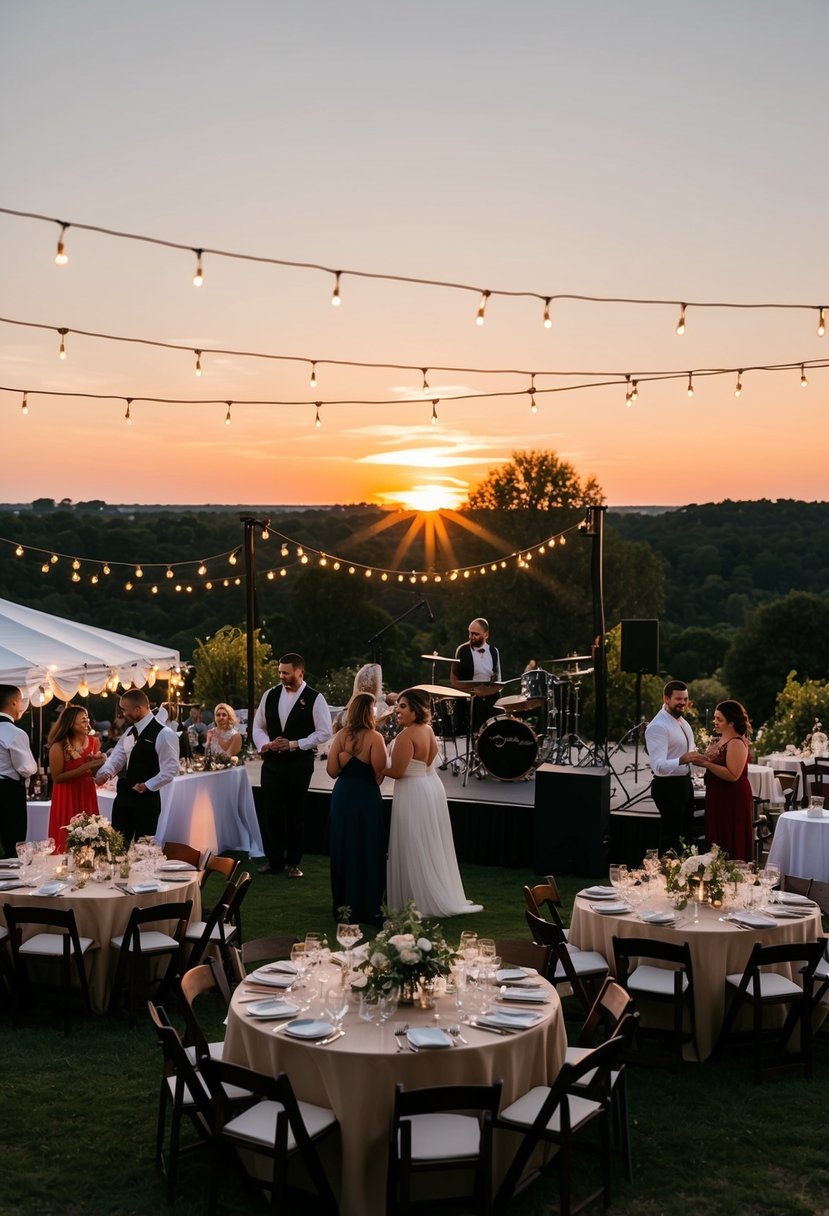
(77, 1118)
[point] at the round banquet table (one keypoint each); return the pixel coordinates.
(102, 911)
(800, 846)
(718, 948)
(356, 1075)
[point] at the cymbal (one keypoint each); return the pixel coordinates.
(487, 688)
(438, 658)
(573, 673)
(572, 658)
(438, 690)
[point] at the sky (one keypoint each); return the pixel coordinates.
(647, 150)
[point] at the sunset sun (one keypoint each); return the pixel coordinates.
(427, 498)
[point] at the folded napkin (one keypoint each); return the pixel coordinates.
(428, 1036)
(270, 978)
(176, 865)
(142, 888)
(753, 920)
(284, 965)
(11, 884)
(538, 995)
(611, 909)
(511, 975)
(788, 913)
(659, 918)
(173, 877)
(791, 897)
(52, 888)
(599, 892)
(271, 1008)
(509, 1019)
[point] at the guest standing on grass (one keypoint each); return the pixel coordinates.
(74, 755)
(670, 743)
(17, 765)
(292, 719)
(145, 758)
(729, 799)
(357, 761)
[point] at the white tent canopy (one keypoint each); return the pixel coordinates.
(47, 656)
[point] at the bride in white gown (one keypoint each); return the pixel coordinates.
(422, 865)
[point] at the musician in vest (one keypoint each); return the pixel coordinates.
(476, 665)
(17, 765)
(291, 721)
(145, 758)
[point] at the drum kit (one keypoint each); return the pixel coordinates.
(506, 746)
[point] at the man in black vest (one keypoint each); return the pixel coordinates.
(17, 765)
(478, 665)
(292, 719)
(146, 756)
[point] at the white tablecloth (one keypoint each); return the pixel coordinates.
(212, 810)
(801, 846)
(764, 784)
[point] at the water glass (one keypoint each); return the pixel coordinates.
(336, 1005)
(486, 947)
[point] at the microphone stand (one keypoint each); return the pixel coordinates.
(375, 638)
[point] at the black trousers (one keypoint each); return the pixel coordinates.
(286, 777)
(674, 798)
(14, 816)
(135, 815)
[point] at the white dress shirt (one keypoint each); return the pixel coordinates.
(322, 719)
(166, 747)
(667, 739)
(16, 759)
(484, 669)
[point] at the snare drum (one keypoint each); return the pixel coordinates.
(535, 686)
(447, 718)
(507, 748)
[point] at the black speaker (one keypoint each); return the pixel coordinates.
(572, 820)
(640, 647)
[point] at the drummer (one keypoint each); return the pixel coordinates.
(477, 665)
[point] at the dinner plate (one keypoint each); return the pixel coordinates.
(273, 979)
(659, 918)
(753, 920)
(172, 866)
(309, 1028)
(11, 884)
(509, 1019)
(166, 876)
(600, 893)
(781, 913)
(142, 888)
(538, 996)
(511, 975)
(271, 1008)
(791, 897)
(52, 888)
(608, 909)
(428, 1037)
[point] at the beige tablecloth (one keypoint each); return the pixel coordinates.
(718, 948)
(102, 912)
(356, 1076)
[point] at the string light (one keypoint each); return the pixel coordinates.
(54, 559)
(680, 325)
(62, 349)
(76, 565)
(634, 391)
(481, 314)
(628, 397)
(335, 298)
(312, 383)
(168, 573)
(435, 411)
(548, 321)
(738, 387)
(228, 418)
(690, 389)
(76, 578)
(45, 568)
(94, 580)
(24, 404)
(821, 323)
(531, 391)
(19, 551)
(61, 256)
(234, 557)
(265, 533)
(198, 277)
(198, 353)
(127, 415)
(106, 568)
(139, 573)
(425, 386)
(804, 383)
(202, 570)
(317, 419)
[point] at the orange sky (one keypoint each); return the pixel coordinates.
(611, 150)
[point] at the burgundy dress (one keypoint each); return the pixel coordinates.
(729, 809)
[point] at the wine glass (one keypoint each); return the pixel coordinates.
(468, 946)
(369, 1007)
(616, 874)
(49, 845)
(486, 947)
(313, 947)
(348, 936)
(299, 957)
(336, 1004)
(387, 1007)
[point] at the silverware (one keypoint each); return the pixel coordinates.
(457, 1037)
(494, 1030)
(400, 1029)
(338, 1034)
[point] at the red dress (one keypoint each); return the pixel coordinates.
(729, 809)
(71, 797)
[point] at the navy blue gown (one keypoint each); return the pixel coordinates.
(357, 840)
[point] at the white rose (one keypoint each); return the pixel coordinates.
(409, 956)
(400, 940)
(424, 944)
(377, 959)
(360, 980)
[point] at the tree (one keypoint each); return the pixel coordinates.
(788, 635)
(798, 707)
(535, 481)
(221, 667)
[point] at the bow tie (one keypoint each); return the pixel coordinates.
(480, 649)
(132, 732)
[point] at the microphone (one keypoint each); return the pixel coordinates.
(425, 604)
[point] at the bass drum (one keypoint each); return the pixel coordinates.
(507, 748)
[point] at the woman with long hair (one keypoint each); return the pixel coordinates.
(223, 738)
(422, 865)
(357, 761)
(74, 755)
(729, 802)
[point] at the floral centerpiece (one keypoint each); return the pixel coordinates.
(406, 952)
(691, 874)
(92, 836)
(218, 759)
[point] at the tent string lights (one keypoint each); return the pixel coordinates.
(484, 294)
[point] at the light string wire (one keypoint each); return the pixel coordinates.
(303, 554)
(485, 293)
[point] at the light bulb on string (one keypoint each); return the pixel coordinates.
(424, 388)
(804, 383)
(234, 557)
(265, 535)
(548, 321)
(197, 368)
(45, 568)
(24, 404)
(435, 411)
(202, 570)
(18, 551)
(738, 387)
(680, 325)
(61, 256)
(821, 323)
(139, 573)
(54, 559)
(480, 316)
(105, 569)
(198, 277)
(94, 580)
(76, 565)
(76, 578)
(336, 300)
(228, 418)
(531, 391)
(127, 415)
(312, 383)
(628, 393)
(168, 573)
(634, 391)
(62, 348)
(690, 389)
(317, 419)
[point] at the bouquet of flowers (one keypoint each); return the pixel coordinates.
(406, 951)
(91, 836)
(214, 759)
(686, 870)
